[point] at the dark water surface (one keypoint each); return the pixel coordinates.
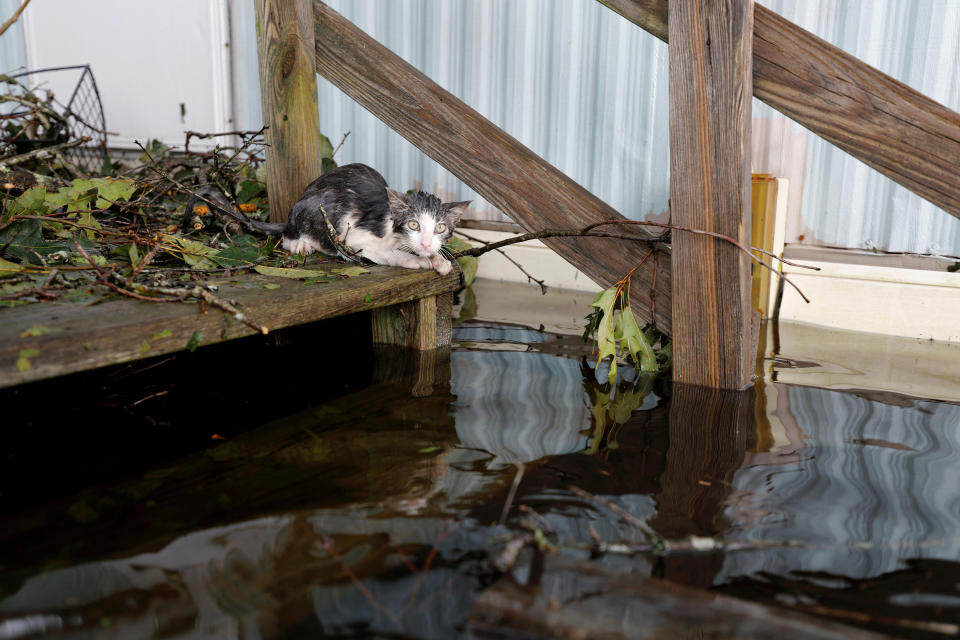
(173, 502)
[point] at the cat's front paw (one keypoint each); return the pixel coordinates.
(440, 264)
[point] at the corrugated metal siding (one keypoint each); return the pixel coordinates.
(588, 91)
(13, 54)
(843, 202)
(572, 80)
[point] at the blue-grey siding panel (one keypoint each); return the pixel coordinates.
(588, 91)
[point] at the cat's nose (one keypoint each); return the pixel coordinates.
(425, 244)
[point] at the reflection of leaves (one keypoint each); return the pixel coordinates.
(611, 409)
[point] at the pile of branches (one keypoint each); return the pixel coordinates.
(154, 226)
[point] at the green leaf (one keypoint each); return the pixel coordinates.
(237, 256)
(636, 342)
(349, 271)
(110, 190)
(326, 148)
(281, 272)
(606, 338)
(271, 286)
(97, 260)
(32, 200)
(163, 333)
(468, 264)
(367, 298)
(9, 268)
(144, 347)
(24, 357)
(196, 254)
(429, 449)
(195, 338)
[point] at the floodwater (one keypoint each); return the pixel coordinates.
(315, 487)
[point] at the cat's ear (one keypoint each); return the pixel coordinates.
(456, 209)
(398, 203)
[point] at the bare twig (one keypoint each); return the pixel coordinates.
(658, 541)
(530, 278)
(342, 140)
(328, 546)
(6, 25)
(589, 232)
(513, 492)
(106, 278)
(193, 192)
(40, 154)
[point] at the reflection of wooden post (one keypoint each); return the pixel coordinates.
(710, 93)
(288, 96)
(710, 432)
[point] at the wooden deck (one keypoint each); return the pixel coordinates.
(411, 308)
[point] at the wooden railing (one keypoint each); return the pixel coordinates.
(901, 133)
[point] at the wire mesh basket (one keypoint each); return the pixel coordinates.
(83, 114)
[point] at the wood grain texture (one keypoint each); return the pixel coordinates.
(498, 167)
(421, 324)
(288, 97)
(898, 131)
(121, 330)
(710, 190)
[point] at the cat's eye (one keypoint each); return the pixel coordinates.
(413, 224)
(440, 228)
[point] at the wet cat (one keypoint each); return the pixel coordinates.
(382, 225)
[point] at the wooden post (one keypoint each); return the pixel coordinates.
(710, 93)
(419, 324)
(288, 95)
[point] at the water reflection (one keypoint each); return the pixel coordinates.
(874, 483)
(373, 514)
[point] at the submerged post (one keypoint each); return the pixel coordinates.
(710, 93)
(288, 97)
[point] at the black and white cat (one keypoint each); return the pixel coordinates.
(383, 225)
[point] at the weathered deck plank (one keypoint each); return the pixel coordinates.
(120, 330)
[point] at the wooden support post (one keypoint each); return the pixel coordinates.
(419, 324)
(288, 96)
(710, 92)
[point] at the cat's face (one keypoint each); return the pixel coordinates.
(422, 221)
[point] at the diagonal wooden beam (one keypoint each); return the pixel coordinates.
(509, 175)
(898, 131)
